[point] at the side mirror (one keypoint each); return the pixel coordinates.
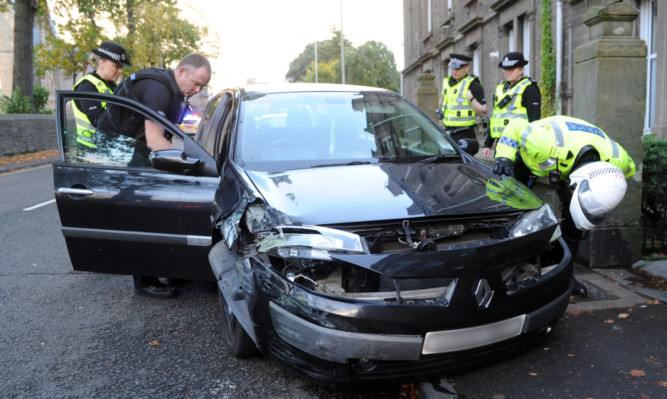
(175, 161)
(470, 146)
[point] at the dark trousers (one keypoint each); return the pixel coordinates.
(457, 133)
(571, 234)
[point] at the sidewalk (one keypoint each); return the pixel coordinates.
(22, 161)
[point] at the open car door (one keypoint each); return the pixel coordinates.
(127, 210)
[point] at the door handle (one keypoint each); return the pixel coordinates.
(75, 191)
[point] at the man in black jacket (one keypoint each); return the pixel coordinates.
(163, 91)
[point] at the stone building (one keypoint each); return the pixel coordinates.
(487, 29)
(611, 59)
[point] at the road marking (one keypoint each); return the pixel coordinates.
(39, 205)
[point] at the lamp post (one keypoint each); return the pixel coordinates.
(316, 80)
(342, 44)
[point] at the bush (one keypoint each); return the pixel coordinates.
(16, 104)
(40, 96)
(654, 193)
(20, 104)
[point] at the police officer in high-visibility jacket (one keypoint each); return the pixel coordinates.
(516, 97)
(585, 166)
(110, 58)
(462, 99)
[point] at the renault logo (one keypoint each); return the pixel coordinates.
(482, 293)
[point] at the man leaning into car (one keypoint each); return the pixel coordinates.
(163, 91)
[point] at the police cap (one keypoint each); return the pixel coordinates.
(458, 60)
(512, 59)
(114, 52)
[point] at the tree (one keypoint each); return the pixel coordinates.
(160, 36)
(326, 72)
(24, 21)
(150, 30)
(327, 51)
(372, 64)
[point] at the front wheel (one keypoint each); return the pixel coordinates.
(237, 340)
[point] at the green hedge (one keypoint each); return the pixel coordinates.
(654, 194)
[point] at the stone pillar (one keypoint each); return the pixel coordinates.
(427, 94)
(610, 92)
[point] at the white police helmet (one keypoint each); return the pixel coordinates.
(600, 187)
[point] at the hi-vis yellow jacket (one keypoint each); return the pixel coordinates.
(554, 143)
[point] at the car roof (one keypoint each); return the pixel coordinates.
(305, 87)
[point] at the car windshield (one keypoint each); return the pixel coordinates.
(310, 129)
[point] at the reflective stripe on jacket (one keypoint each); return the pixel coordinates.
(455, 105)
(84, 128)
(554, 143)
(512, 109)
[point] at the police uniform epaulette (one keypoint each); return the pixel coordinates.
(533, 81)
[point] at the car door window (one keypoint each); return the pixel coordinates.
(84, 143)
(210, 126)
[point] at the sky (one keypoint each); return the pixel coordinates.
(257, 39)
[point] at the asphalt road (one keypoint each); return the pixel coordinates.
(72, 334)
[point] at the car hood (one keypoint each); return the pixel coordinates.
(360, 193)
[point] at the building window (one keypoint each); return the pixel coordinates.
(648, 32)
(476, 57)
(429, 20)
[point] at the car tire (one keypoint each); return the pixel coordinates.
(238, 342)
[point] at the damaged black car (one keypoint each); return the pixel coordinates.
(350, 238)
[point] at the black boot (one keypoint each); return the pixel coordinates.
(152, 286)
(578, 288)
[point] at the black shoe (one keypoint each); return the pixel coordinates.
(151, 286)
(579, 289)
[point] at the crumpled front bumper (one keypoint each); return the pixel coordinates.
(321, 346)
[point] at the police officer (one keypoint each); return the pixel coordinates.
(110, 58)
(516, 97)
(164, 91)
(586, 167)
(462, 99)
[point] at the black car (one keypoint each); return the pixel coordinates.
(351, 239)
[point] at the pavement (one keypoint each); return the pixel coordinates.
(608, 288)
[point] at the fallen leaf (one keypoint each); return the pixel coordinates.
(654, 361)
(637, 373)
(570, 354)
(663, 384)
(154, 343)
(623, 316)
(608, 321)
(532, 374)
(654, 302)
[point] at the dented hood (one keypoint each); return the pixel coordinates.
(359, 193)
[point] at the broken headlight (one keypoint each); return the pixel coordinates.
(311, 242)
(536, 220)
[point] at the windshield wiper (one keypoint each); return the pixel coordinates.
(343, 164)
(438, 157)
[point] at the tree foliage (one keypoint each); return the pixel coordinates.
(327, 51)
(150, 30)
(371, 64)
(548, 64)
(326, 72)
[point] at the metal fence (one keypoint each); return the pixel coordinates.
(654, 196)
